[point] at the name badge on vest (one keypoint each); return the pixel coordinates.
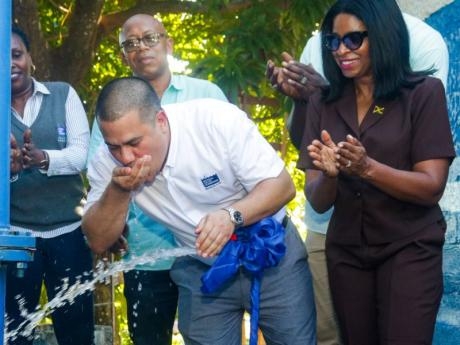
(210, 181)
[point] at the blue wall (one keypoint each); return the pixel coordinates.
(446, 21)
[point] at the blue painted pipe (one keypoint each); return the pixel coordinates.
(5, 106)
(14, 247)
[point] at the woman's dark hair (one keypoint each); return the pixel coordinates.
(388, 47)
(17, 31)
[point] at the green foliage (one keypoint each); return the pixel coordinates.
(52, 19)
(107, 66)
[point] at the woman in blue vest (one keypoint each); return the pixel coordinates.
(50, 133)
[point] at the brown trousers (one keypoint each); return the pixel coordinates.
(388, 294)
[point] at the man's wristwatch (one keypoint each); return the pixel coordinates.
(235, 216)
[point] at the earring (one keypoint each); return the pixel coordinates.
(32, 67)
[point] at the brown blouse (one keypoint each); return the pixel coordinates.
(399, 133)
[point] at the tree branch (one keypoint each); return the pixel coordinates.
(110, 22)
(82, 28)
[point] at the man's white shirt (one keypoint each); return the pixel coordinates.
(216, 156)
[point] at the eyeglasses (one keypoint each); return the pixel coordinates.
(149, 40)
(352, 40)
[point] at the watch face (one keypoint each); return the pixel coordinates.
(235, 216)
(238, 218)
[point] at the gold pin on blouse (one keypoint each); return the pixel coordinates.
(378, 110)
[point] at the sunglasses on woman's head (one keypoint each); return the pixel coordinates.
(352, 40)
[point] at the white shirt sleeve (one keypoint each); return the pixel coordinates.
(311, 54)
(428, 49)
(99, 175)
(71, 159)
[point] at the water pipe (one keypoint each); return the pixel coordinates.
(5, 101)
(14, 247)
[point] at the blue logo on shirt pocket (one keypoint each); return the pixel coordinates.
(61, 136)
(210, 181)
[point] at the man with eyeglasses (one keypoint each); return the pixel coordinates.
(299, 80)
(151, 295)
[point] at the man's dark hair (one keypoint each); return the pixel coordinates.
(388, 47)
(17, 31)
(122, 95)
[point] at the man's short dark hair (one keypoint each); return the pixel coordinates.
(122, 95)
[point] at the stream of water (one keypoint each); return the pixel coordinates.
(67, 293)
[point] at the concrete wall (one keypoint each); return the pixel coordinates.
(422, 8)
(446, 20)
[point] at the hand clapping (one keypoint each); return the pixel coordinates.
(323, 154)
(32, 156)
(15, 156)
(293, 78)
(352, 157)
(347, 156)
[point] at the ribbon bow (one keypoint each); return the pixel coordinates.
(255, 247)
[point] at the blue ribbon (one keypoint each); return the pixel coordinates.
(254, 247)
